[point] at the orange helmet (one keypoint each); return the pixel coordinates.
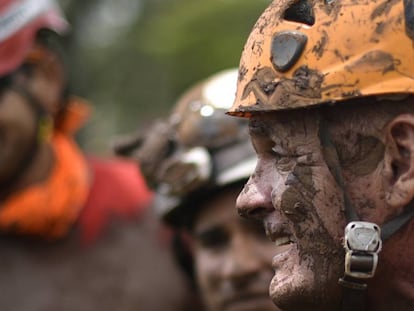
(303, 53)
(20, 20)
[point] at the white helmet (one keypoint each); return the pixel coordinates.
(198, 150)
(20, 20)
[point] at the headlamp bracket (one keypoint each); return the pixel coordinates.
(362, 244)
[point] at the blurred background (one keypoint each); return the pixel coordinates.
(132, 58)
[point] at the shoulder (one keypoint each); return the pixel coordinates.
(120, 179)
(118, 192)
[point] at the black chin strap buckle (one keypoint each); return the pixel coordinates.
(362, 244)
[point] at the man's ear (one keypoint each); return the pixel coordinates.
(48, 80)
(399, 161)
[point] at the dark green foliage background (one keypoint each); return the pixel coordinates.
(170, 45)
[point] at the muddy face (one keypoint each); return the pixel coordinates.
(292, 184)
(232, 257)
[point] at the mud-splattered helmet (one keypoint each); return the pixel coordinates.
(303, 53)
(20, 21)
(207, 150)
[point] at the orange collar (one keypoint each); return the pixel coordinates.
(75, 114)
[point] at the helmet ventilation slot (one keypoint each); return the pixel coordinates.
(300, 11)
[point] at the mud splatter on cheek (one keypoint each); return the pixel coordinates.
(296, 202)
(297, 205)
(319, 254)
(293, 206)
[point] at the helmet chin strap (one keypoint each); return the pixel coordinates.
(362, 240)
(396, 223)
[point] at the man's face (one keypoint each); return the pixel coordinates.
(292, 184)
(17, 132)
(232, 257)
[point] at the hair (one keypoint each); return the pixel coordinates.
(185, 216)
(52, 41)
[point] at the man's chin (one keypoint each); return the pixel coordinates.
(284, 293)
(293, 289)
(296, 292)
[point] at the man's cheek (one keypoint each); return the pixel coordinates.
(297, 202)
(301, 217)
(313, 240)
(329, 204)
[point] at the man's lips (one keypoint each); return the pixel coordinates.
(283, 240)
(278, 233)
(282, 252)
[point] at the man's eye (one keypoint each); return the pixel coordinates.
(213, 238)
(280, 156)
(306, 159)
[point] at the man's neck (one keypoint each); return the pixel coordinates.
(393, 286)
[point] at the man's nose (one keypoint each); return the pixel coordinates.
(255, 200)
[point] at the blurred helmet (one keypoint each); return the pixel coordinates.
(303, 53)
(210, 149)
(20, 20)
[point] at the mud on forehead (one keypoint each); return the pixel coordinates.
(353, 114)
(282, 126)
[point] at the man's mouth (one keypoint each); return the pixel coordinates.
(278, 233)
(284, 240)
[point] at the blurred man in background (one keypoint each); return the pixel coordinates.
(73, 232)
(197, 160)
